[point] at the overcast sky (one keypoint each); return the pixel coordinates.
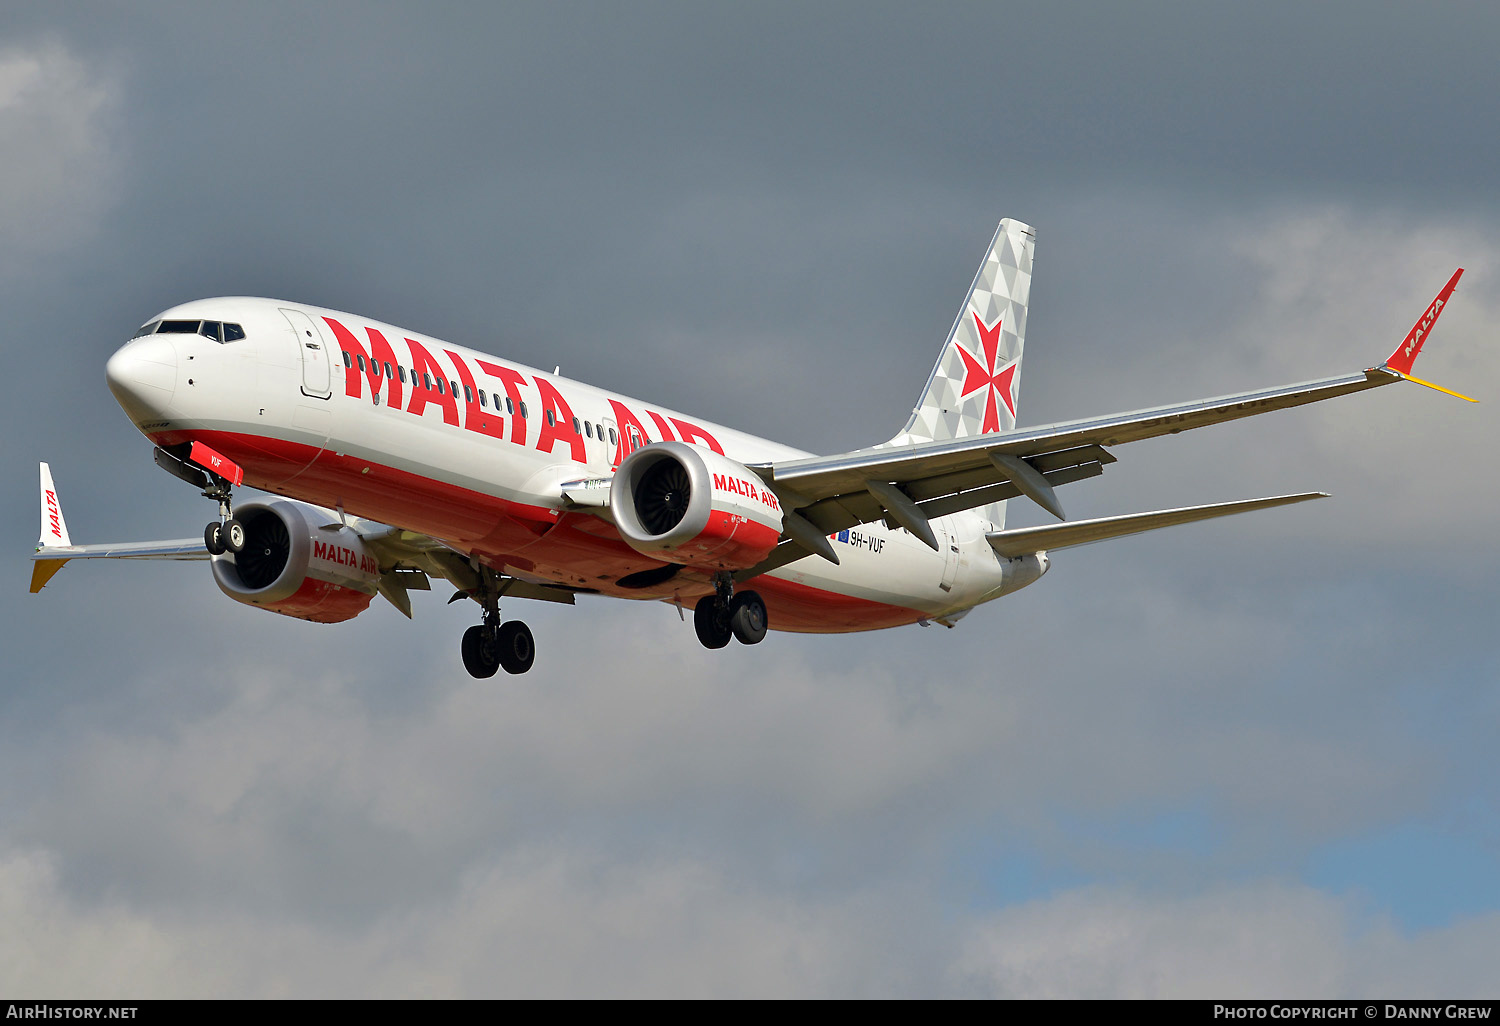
(1252, 757)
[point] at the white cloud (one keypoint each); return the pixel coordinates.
(539, 921)
(560, 920)
(56, 146)
(1261, 940)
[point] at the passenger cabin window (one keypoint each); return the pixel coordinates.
(403, 373)
(510, 407)
(523, 411)
(588, 429)
(361, 361)
(146, 329)
(482, 400)
(388, 370)
(347, 361)
(613, 438)
(427, 380)
(468, 395)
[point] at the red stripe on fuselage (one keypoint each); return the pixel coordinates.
(806, 610)
(563, 547)
(502, 532)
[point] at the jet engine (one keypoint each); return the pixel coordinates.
(683, 504)
(293, 564)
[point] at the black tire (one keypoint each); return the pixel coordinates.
(747, 617)
(233, 535)
(517, 649)
(213, 539)
(711, 623)
(481, 655)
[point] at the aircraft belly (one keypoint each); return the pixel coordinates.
(876, 564)
(804, 609)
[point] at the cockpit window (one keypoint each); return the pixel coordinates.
(215, 331)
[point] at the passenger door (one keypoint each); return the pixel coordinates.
(316, 373)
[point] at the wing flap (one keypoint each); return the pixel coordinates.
(1026, 540)
(820, 477)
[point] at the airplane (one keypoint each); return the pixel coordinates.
(389, 458)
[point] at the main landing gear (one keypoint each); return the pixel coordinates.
(724, 615)
(493, 645)
(488, 647)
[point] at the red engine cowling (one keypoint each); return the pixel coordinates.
(290, 565)
(682, 504)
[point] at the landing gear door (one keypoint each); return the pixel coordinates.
(316, 369)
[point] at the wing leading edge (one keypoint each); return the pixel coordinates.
(942, 477)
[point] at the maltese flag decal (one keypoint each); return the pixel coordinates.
(984, 375)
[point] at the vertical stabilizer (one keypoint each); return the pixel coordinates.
(973, 388)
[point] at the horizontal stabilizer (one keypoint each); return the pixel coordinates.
(1025, 540)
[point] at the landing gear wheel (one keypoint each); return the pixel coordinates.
(711, 623)
(481, 654)
(747, 617)
(213, 538)
(233, 536)
(516, 649)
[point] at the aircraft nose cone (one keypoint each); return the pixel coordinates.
(143, 375)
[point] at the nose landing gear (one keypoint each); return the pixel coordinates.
(724, 615)
(225, 534)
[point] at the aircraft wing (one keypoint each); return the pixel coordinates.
(408, 559)
(908, 485)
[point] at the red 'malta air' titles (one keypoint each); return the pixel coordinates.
(381, 368)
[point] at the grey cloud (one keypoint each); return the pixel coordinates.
(767, 216)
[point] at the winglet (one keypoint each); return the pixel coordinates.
(54, 527)
(1440, 388)
(54, 533)
(42, 571)
(1406, 353)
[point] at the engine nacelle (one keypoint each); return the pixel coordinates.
(291, 565)
(682, 504)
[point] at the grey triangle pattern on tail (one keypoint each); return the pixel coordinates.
(991, 373)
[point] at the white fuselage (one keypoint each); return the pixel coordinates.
(350, 413)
